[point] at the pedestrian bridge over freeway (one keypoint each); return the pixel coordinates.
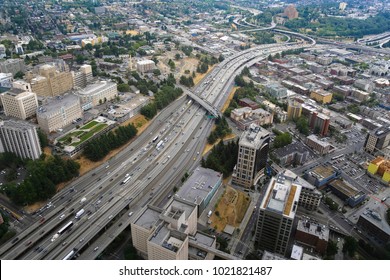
(204, 103)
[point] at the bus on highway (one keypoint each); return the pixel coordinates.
(125, 180)
(155, 139)
(70, 255)
(160, 145)
(62, 230)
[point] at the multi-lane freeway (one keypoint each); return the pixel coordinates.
(139, 175)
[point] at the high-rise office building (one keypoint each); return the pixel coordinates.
(252, 156)
(277, 213)
(20, 138)
(19, 103)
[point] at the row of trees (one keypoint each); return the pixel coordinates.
(99, 147)
(222, 158)
(221, 130)
(43, 175)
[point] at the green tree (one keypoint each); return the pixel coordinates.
(282, 140)
(350, 246)
(123, 87)
(19, 75)
(303, 125)
(43, 141)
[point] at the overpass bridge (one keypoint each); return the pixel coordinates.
(202, 102)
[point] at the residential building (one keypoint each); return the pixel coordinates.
(312, 234)
(200, 187)
(324, 60)
(277, 213)
(50, 82)
(276, 90)
(59, 113)
(246, 102)
(319, 123)
(294, 109)
(295, 153)
(6, 80)
(244, 117)
(360, 95)
(252, 156)
(145, 65)
(97, 93)
(377, 140)
(365, 85)
(318, 145)
(20, 138)
(19, 103)
(12, 66)
(321, 96)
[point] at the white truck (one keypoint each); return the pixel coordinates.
(79, 214)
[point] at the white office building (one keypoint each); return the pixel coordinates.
(20, 138)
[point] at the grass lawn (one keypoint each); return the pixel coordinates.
(88, 134)
(89, 125)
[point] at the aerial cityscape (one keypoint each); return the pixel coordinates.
(194, 130)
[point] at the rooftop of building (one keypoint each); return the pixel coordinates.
(199, 185)
(344, 188)
(314, 138)
(253, 137)
(312, 228)
(268, 256)
(16, 92)
(323, 171)
(201, 238)
(297, 252)
(146, 61)
(322, 92)
(377, 216)
(56, 104)
(169, 239)
(381, 132)
(248, 101)
(177, 207)
(96, 87)
(17, 124)
(130, 104)
(296, 147)
(148, 218)
(282, 194)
